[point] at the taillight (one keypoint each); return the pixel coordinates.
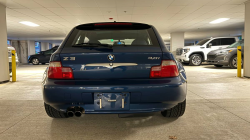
(56, 71)
(168, 68)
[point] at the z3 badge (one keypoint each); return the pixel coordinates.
(69, 58)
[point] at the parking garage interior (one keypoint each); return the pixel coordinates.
(217, 99)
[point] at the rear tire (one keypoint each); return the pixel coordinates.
(195, 60)
(53, 113)
(176, 111)
(218, 65)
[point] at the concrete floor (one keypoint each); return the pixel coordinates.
(218, 108)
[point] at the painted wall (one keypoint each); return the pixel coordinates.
(4, 60)
(247, 40)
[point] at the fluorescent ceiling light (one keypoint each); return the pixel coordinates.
(219, 20)
(29, 23)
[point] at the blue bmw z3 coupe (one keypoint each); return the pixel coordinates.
(114, 68)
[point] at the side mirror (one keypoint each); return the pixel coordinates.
(209, 45)
(41, 52)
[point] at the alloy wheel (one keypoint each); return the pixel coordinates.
(235, 62)
(35, 61)
(196, 60)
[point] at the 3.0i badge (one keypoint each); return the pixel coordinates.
(111, 57)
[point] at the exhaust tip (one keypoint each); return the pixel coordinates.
(70, 113)
(78, 113)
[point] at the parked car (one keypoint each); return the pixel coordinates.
(10, 48)
(195, 55)
(42, 57)
(226, 56)
(116, 68)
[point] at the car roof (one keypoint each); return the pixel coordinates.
(222, 37)
(10, 47)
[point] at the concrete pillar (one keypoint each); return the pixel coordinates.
(31, 47)
(15, 44)
(4, 60)
(242, 35)
(176, 41)
(247, 40)
(23, 45)
(44, 46)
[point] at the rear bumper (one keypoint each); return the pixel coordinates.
(134, 108)
(145, 95)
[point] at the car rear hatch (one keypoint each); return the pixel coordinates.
(111, 51)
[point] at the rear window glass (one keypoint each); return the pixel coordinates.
(48, 52)
(113, 37)
(236, 44)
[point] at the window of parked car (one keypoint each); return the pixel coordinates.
(236, 44)
(216, 42)
(53, 50)
(202, 42)
(227, 41)
(48, 52)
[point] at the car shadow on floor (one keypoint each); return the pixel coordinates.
(107, 126)
(213, 67)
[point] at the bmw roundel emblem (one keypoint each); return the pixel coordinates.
(111, 57)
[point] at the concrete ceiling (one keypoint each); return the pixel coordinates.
(57, 17)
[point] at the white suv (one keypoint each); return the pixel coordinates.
(195, 55)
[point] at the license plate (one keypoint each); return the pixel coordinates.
(111, 101)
